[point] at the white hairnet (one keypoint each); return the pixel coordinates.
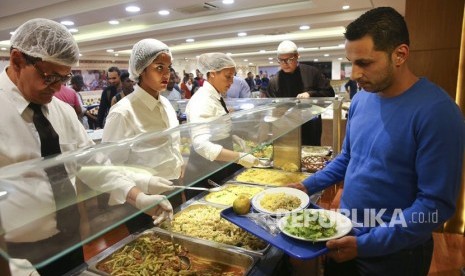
(214, 62)
(287, 47)
(143, 54)
(48, 40)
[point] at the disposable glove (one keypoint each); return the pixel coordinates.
(241, 142)
(159, 212)
(155, 185)
(158, 185)
(247, 160)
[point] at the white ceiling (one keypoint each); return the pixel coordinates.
(266, 22)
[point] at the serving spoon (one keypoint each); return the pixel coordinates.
(216, 189)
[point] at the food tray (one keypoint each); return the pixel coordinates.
(203, 225)
(194, 246)
(295, 248)
(316, 151)
(263, 176)
(227, 200)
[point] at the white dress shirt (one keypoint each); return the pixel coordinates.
(139, 113)
(28, 212)
(205, 106)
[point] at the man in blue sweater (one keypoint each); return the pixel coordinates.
(401, 159)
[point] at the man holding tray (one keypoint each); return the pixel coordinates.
(401, 172)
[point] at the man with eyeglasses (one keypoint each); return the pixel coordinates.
(301, 81)
(37, 125)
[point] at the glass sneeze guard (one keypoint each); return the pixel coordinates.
(27, 206)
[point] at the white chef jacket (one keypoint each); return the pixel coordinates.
(138, 113)
(28, 213)
(205, 106)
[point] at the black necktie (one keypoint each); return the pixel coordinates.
(224, 105)
(63, 191)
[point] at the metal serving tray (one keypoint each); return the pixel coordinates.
(195, 247)
(316, 151)
(205, 199)
(266, 183)
(194, 204)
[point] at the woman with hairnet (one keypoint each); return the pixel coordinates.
(145, 110)
(213, 146)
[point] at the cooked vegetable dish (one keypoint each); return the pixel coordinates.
(150, 255)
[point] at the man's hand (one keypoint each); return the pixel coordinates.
(247, 160)
(303, 95)
(298, 186)
(159, 212)
(343, 249)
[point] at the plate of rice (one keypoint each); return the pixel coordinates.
(280, 201)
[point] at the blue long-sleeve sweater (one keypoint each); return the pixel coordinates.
(401, 156)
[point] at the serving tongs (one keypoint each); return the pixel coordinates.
(184, 261)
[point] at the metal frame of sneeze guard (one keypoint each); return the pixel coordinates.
(337, 120)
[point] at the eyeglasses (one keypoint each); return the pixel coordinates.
(48, 79)
(54, 78)
(286, 60)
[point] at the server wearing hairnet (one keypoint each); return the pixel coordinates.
(143, 111)
(212, 147)
(38, 224)
(301, 81)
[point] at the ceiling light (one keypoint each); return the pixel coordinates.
(228, 2)
(242, 34)
(315, 60)
(246, 60)
(262, 51)
(300, 49)
(271, 62)
(80, 54)
(250, 63)
(73, 30)
(190, 40)
(304, 27)
(341, 45)
(326, 55)
(116, 54)
(345, 7)
(339, 58)
(3, 49)
(113, 22)
(132, 9)
(12, 33)
(270, 58)
(228, 54)
(164, 12)
(110, 51)
(67, 23)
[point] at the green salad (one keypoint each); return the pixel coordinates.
(310, 225)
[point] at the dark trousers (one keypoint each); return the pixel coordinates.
(408, 262)
(311, 132)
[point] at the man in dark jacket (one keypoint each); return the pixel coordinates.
(301, 81)
(113, 88)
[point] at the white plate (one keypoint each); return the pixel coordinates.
(343, 225)
(304, 199)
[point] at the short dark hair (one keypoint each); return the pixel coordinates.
(114, 69)
(124, 75)
(384, 25)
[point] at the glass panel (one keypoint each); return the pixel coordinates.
(103, 174)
